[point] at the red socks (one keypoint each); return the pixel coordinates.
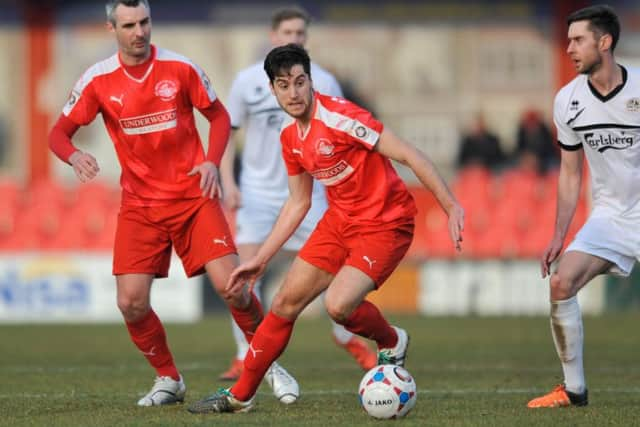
(149, 336)
(367, 321)
(248, 318)
(269, 341)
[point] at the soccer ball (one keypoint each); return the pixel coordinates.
(387, 391)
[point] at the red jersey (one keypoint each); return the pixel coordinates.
(150, 121)
(338, 150)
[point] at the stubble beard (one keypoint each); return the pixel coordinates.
(592, 67)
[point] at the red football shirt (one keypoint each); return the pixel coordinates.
(150, 121)
(338, 151)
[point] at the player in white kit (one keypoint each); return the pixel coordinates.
(598, 114)
(263, 179)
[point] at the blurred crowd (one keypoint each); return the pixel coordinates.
(535, 150)
(509, 197)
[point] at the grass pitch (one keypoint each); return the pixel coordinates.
(469, 372)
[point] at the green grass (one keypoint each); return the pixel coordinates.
(469, 371)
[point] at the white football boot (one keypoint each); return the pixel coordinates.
(398, 354)
(284, 386)
(165, 391)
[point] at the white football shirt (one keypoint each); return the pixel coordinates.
(608, 129)
(252, 106)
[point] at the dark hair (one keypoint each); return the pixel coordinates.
(286, 13)
(602, 20)
(111, 5)
(281, 59)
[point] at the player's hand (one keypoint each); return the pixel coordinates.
(550, 254)
(231, 197)
(247, 272)
(84, 165)
(209, 179)
(456, 225)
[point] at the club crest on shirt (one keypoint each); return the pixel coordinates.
(324, 147)
(205, 81)
(633, 105)
(73, 98)
(166, 90)
(361, 132)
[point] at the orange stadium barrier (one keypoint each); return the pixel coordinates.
(510, 215)
(507, 216)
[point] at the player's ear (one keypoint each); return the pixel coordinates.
(273, 91)
(605, 42)
(109, 26)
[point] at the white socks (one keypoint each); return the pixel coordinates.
(241, 341)
(341, 335)
(566, 328)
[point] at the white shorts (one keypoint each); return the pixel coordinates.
(257, 215)
(612, 239)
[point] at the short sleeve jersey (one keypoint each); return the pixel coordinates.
(150, 121)
(252, 107)
(608, 128)
(338, 151)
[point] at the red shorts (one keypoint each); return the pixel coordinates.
(375, 250)
(196, 228)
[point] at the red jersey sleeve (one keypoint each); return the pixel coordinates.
(291, 160)
(201, 93)
(358, 124)
(219, 130)
(82, 106)
(60, 138)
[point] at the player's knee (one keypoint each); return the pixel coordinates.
(338, 312)
(284, 306)
(132, 309)
(229, 298)
(562, 286)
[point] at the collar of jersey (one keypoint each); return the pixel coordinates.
(129, 69)
(614, 92)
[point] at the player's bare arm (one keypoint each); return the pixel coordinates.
(569, 183)
(84, 165)
(291, 215)
(399, 150)
(231, 196)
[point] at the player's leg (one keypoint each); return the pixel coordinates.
(354, 345)
(574, 271)
(148, 334)
(254, 221)
(303, 283)
(202, 239)
(245, 251)
(346, 305)
(601, 246)
(142, 251)
(244, 306)
(374, 253)
(351, 343)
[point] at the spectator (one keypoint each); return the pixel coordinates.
(480, 147)
(535, 137)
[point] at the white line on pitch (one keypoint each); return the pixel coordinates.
(469, 391)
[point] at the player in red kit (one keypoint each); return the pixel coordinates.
(146, 96)
(359, 241)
